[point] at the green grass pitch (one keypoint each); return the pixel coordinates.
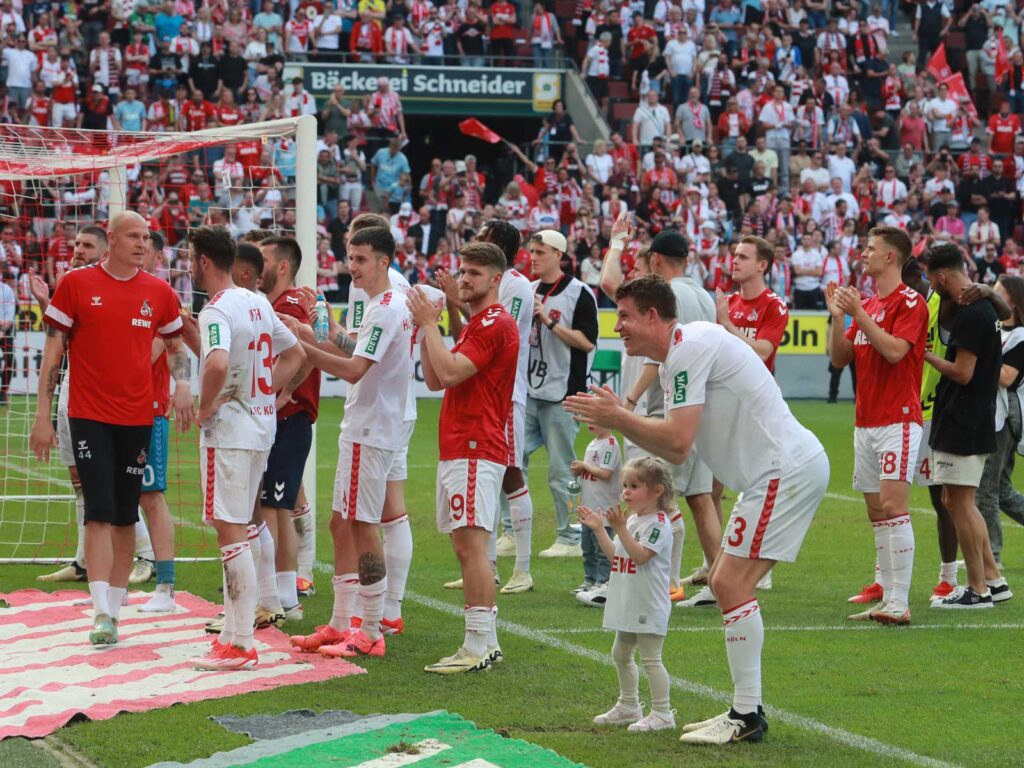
(937, 693)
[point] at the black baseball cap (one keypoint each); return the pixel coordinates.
(671, 244)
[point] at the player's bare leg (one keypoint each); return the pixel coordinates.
(517, 492)
(733, 580)
(894, 546)
(397, 554)
(973, 537)
(470, 545)
(161, 531)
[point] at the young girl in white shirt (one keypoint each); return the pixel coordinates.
(638, 603)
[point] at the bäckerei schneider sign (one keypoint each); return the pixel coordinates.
(444, 90)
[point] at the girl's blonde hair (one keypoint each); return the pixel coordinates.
(653, 472)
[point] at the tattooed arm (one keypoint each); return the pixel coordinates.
(183, 404)
(42, 437)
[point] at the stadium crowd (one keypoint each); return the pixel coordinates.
(796, 122)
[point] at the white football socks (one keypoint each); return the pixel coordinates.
(287, 588)
(521, 512)
(372, 598)
(478, 628)
(947, 573)
(143, 544)
(80, 519)
(305, 532)
(901, 552)
(884, 555)
(397, 562)
(115, 596)
(744, 638)
(346, 587)
(241, 592)
(100, 593)
(265, 570)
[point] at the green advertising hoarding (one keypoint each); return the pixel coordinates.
(459, 91)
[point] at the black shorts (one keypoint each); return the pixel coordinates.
(111, 460)
(287, 459)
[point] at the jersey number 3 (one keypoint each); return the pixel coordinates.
(263, 360)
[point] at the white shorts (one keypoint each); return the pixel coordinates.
(230, 479)
(692, 477)
(924, 474)
(400, 466)
(769, 522)
(517, 434)
(950, 469)
(64, 444)
(468, 494)
(62, 112)
(361, 481)
(884, 453)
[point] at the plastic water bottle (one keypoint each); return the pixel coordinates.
(321, 325)
(574, 488)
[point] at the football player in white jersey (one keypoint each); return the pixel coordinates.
(248, 355)
(395, 528)
(515, 294)
(372, 436)
(720, 397)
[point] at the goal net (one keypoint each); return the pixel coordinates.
(53, 182)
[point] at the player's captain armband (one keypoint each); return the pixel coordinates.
(679, 383)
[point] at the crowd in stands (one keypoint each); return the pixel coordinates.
(804, 122)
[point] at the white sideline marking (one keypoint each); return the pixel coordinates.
(865, 626)
(839, 735)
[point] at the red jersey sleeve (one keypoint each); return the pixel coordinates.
(775, 321)
(851, 332)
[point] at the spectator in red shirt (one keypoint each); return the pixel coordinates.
(620, 148)
(1002, 129)
(366, 39)
(503, 33)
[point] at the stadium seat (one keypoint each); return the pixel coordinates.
(608, 365)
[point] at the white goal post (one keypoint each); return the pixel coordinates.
(55, 180)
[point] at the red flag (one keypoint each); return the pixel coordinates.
(476, 129)
(938, 66)
(959, 93)
(1002, 59)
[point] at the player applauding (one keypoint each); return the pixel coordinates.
(478, 376)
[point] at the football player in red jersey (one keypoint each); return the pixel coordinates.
(887, 342)
(108, 316)
(478, 376)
